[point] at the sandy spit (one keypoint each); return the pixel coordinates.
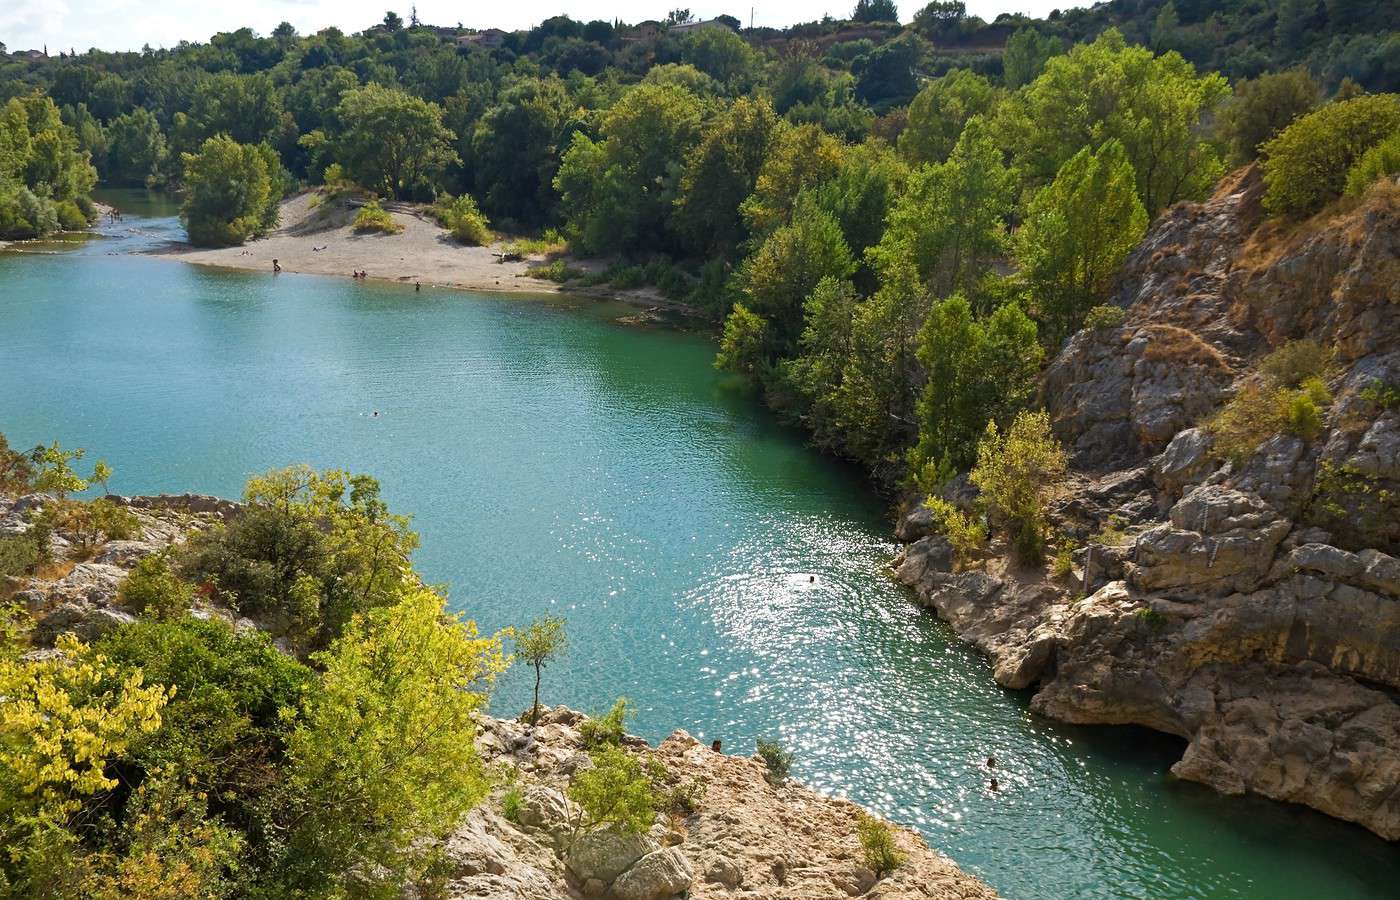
(317, 239)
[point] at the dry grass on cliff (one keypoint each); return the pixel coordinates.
(1171, 344)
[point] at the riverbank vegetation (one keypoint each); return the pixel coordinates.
(183, 757)
(891, 226)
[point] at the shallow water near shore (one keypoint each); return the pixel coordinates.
(713, 569)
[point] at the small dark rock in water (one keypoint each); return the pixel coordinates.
(994, 785)
(715, 745)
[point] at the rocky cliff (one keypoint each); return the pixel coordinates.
(736, 834)
(1249, 603)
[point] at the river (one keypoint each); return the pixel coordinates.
(713, 569)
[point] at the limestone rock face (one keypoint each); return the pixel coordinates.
(83, 600)
(1249, 605)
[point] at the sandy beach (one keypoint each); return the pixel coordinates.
(319, 240)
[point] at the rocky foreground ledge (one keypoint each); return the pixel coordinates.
(742, 838)
(746, 837)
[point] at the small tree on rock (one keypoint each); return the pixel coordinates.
(538, 644)
(1016, 473)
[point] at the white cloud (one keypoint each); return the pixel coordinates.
(128, 24)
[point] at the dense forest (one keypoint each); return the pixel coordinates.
(895, 224)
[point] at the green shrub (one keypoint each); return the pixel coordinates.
(374, 218)
(877, 845)
(1154, 619)
(511, 803)
(70, 216)
(152, 589)
(606, 730)
(463, 218)
(967, 534)
(617, 792)
(1290, 398)
(1062, 563)
(626, 278)
(1308, 164)
(1380, 396)
(1301, 415)
(1016, 474)
(1295, 362)
(557, 271)
(1379, 162)
(309, 551)
(91, 523)
(1114, 532)
(1361, 509)
(684, 798)
(1104, 317)
(776, 759)
(19, 554)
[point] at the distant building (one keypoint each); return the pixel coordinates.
(696, 26)
(30, 54)
(490, 39)
(642, 31)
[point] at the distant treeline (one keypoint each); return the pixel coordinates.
(895, 224)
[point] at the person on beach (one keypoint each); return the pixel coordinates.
(276, 267)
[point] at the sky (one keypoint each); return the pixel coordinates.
(128, 24)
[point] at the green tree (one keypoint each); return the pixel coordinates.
(721, 54)
(516, 148)
(885, 75)
(950, 220)
(1306, 165)
(232, 192)
(875, 11)
(1077, 232)
(1264, 106)
(54, 470)
(615, 792)
(1025, 55)
(720, 172)
(743, 345)
(1084, 99)
(136, 148)
(799, 157)
(392, 141)
(310, 551)
(1016, 471)
(538, 644)
(617, 194)
(1375, 164)
(384, 752)
(777, 279)
(941, 111)
(977, 371)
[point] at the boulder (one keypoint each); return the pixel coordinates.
(543, 807)
(656, 876)
(606, 854)
(916, 523)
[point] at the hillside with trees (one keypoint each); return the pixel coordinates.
(891, 226)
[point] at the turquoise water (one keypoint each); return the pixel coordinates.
(712, 568)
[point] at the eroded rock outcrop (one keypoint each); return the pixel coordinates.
(1250, 606)
(744, 837)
